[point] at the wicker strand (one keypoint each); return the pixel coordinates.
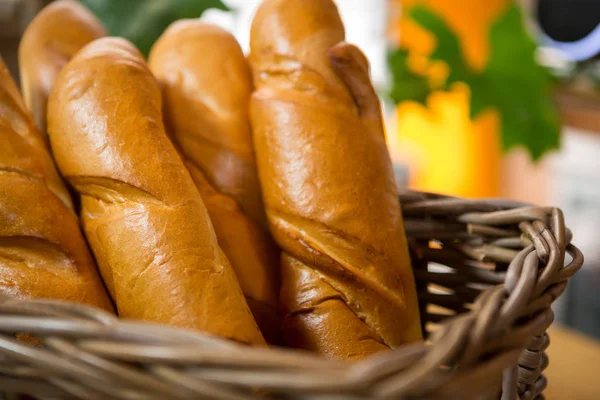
(487, 273)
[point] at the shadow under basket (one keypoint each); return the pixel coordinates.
(487, 273)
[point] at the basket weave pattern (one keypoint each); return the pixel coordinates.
(487, 273)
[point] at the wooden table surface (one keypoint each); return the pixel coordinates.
(574, 370)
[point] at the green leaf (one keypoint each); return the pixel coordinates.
(520, 88)
(143, 21)
(512, 82)
(448, 47)
(406, 85)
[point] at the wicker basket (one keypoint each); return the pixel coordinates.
(487, 273)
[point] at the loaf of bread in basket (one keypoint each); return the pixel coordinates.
(206, 85)
(331, 200)
(53, 37)
(142, 214)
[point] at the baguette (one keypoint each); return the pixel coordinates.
(347, 286)
(42, 251)
(206, 84)
(142, 215)
(49, 42)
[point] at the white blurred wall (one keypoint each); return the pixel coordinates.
(365, 22)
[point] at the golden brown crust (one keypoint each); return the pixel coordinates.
(42, 251)
(206, 86)
(328, 187)
(49, 42)
(142, 214)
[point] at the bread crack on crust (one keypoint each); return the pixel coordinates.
(285, 72)
(21, 173)
(309, 305)
(22, 150)
(337, 253)
(111, 190)
(34, 252)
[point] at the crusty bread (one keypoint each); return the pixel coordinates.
(141, 212)
(42, 251)
(206, 85)
(331, 201)
(49, 42)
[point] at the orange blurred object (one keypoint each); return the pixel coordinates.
(447, 152)
(469, 19)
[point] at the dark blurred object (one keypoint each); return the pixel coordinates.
(15, 15)
(583, 302)
(569, 20)
(571, 29)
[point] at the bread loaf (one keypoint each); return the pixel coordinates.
(206, 86)
(42, 251)
(142, 214)
(331, 201)
(49, 42)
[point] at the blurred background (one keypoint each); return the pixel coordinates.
(494, 98)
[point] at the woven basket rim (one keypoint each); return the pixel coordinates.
(87, 352)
